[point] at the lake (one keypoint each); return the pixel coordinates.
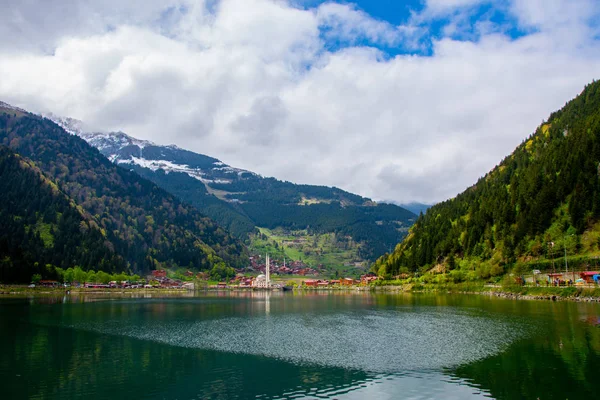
(246, 345)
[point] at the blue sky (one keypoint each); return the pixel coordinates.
(393, 11)
(401, 13)
(393, 100)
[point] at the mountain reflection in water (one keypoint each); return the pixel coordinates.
(277, 345)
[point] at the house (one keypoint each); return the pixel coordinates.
(49, 283)
(368, 278)
(311, 282)
(222, 285)
(188, 285)
(97, 285)
(347, 281)
(159, 273)
(246, 282)
(588, 276)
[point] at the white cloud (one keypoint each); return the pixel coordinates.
(251, 82)
(555, 14)
(444, 6)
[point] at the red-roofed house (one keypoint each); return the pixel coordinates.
(588, 276)
(347, 281)
(159, 273)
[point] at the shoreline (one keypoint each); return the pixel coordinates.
(12, 290)
(575, 294)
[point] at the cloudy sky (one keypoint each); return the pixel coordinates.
(394, 100)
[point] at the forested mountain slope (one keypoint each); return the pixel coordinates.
(144, 224)
(543, 198)
(41, 225)
(241, 200)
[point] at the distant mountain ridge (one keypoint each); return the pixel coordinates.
(415, 207)
(241, 200)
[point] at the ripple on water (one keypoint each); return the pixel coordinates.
(381, 341)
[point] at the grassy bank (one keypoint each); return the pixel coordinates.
(550, 292)
(12, 290)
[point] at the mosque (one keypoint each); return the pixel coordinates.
(263, 281)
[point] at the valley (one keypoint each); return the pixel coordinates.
(330, 254)
(243, 201)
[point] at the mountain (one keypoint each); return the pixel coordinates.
(541, 200)
(41, 225)
(241, 200)
(415, 207)
(142, 224)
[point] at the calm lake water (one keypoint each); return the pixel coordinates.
(272, 346)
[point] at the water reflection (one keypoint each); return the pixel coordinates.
(561, 362)
(295, 345)
(53, 362)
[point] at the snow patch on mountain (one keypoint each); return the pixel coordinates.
(113, 141)
(228, 170)
(155, 165)
(71, 125)
(169, 166)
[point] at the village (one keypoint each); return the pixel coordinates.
(264, 273)
(567, 278)
(296, 269)
(293, 268)
(257, 275)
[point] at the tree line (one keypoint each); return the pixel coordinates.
(536, 202)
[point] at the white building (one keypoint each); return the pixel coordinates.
(264, 281)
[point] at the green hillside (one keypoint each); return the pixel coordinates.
(374, 225)
(328, 252)
(42, 228)
(540, 201)
(194, 192)
(145, 225)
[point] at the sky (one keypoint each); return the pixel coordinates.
(396, 101)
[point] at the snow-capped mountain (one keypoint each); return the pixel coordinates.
(113, 142)
(71, 125)
(123, 149)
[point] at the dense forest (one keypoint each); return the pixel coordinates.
(257, 188)
(144, 224)
(42, 228)
(542, 199)
(193, 192)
